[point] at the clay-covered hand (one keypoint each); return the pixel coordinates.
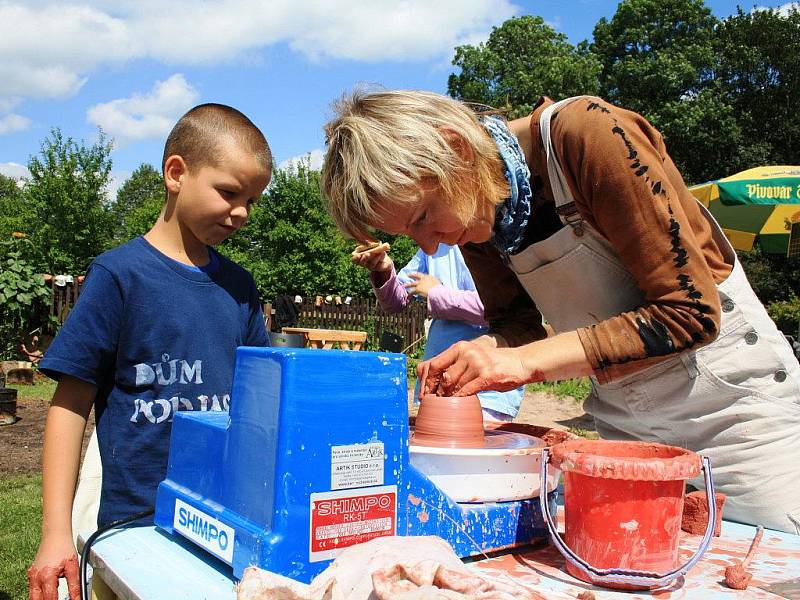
(54, 559)
(422, 284)
(373, 259)
(467, 368)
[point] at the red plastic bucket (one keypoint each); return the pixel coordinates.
(623, 503)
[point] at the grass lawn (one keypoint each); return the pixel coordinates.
(42, 390)
(576, 388)
(20, 513)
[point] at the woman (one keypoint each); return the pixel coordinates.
(577, 213)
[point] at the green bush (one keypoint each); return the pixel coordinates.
(774, 277)
(786, 314)
(24, 296)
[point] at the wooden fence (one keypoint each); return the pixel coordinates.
(362, 314)
(64, 298)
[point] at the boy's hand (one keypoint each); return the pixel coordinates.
(373, 258)
(422, 284)
(54, 560)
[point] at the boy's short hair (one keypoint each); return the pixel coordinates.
(382, 144)
(199, 135)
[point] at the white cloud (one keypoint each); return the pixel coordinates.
(313, 159)
(46, 51)
(115, 182)
(13, 122)
(48, 48)
(411, 30)
(145, 116)
(14, 170)
(781, 10)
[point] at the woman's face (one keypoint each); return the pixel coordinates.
(430, 221)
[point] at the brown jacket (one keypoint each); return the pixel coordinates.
(625, 186)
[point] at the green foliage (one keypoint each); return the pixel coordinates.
(290, 244)
(759, 76)
(65, 199)
(138, 203)
(723, 93)
(12, 207)
(773, 277)
(23, 294)
(21, 516)
(703, 135)
(654, 51)
(523, 59)
(786, 314)
(577, 389)
(658, 59)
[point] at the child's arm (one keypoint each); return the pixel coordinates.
(63, 435)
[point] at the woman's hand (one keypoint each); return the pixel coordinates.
(56, 558)
(374, 259)
(469, 367)
(422, 285)
(466, 368)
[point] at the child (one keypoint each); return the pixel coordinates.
(155, 331)
(444, 281)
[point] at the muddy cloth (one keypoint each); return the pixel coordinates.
(428, 570)
(627, 188)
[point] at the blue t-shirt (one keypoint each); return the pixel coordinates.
(155, 337)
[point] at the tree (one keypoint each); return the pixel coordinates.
(774, 277)
(654, 51)
(759, 75)
(138, 203)
(522, 60)
(291, 245)
(68, 220)
(659, 59)
(12, 208)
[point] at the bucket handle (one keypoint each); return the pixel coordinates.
(628, 576)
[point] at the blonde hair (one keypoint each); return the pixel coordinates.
(382, 144)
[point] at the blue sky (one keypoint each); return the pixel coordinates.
(134, 66)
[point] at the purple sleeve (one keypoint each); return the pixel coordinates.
(392, 295)
(456, 305)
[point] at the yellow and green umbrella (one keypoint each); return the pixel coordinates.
(760, 205)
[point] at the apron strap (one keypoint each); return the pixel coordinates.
(561, 192)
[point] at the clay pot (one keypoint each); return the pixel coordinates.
(451, 422)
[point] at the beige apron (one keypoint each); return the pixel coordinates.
(736, 400)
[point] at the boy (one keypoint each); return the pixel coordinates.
(155, 331)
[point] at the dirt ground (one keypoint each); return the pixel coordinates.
(21, 443)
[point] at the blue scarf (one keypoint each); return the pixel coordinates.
(511, 215)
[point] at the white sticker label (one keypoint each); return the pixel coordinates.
(357, 465)
(203, 529)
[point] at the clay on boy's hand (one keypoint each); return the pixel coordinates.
(43, 582)
(372, 248)
(373, 256)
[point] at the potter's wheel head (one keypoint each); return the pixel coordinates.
(494, 442)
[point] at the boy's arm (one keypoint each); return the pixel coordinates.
(63, 435)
